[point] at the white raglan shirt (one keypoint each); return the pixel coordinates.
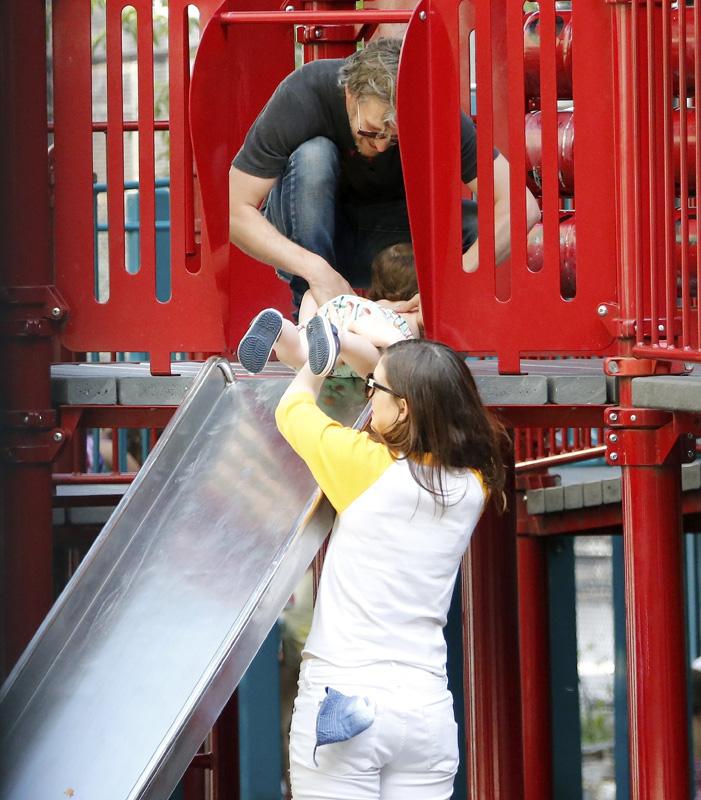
(394, 553)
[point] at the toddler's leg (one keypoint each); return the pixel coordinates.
(326, 343)
(257, 343)
(268, 332)
(359, 353)
(291, 347)
(307, 308)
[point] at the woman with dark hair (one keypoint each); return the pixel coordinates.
(374, 717)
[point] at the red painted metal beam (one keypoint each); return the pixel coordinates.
(659, 743)
(492, 690)
(315, 17)
(26, 511)
(551, 416)
(602, 520)
(535, 672)
(99, 416)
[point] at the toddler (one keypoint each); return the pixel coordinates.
(344, 322)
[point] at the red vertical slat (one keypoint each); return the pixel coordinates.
(666, 219)
(550, 273)
(74, 249)
(517, 137)
(115, 148)
(697, 100)
(638, 273)
(683, 187)
(147, 171)
(182, 233)
(485, 137)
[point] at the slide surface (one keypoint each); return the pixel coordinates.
(142, 650)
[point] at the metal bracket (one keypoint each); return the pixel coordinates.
(608, 314)
(648, 437)
(35, 418)
(318, 34)
(43, 448)
(43, 439)
(622, 367)
(32, 310)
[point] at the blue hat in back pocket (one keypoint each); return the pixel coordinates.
(342, 717)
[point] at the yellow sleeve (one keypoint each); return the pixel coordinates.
(343, 461)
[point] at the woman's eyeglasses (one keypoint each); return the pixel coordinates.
(371, 385)
(381, 135)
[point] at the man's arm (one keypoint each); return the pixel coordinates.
(502, 216)
(252, 233)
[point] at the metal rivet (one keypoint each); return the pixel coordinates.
(289, 8)
(614, 456)
(602, 311)
(613, 438)
(55, 311)
(633, 417)
(660, 328)
(318, 33)
(58, 436)
(422, 16)
(613, 416)
(25, 419)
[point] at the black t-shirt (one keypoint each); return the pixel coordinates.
(308, 103)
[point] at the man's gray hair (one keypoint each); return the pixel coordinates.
(372, 72)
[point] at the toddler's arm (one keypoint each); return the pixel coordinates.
(381, 333)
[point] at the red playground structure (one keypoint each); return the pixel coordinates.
(586, 342)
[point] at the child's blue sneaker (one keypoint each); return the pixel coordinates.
(258, 341)
(323, 344)
(342, 717)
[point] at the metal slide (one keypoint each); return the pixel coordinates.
(140, 653)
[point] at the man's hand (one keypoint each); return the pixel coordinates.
(325, 283)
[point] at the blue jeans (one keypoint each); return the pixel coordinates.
(305, 207)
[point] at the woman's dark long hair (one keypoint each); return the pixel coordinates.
(447, 426)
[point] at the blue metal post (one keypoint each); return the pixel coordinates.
(564, 691)
(453, 636)
(620, 682)
(259, 724)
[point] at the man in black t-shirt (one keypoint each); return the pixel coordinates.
(317, 188)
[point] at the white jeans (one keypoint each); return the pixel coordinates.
(410, 752)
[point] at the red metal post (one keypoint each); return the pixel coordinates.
(535, 660)
(651, 480)
(655, 632)
(491, 670)
(26, 506)
(225, 749)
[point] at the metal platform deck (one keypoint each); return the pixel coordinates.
(562, 382)
(591, 494)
